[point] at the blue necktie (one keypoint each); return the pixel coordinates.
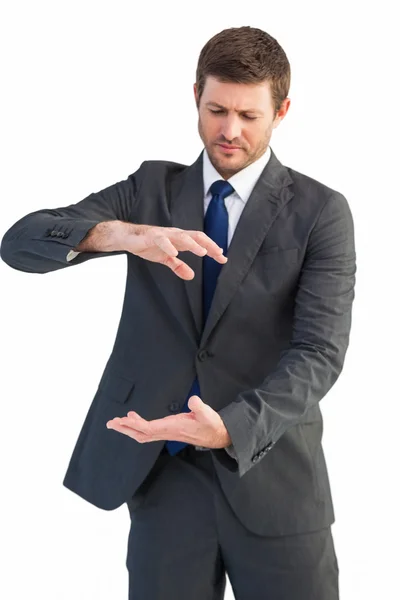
(216, 227)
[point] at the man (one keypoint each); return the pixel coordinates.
(221, 356)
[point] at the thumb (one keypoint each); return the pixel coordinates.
(202, 410)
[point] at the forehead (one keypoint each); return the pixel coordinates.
(239, 97)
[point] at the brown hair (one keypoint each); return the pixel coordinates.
(245, 55)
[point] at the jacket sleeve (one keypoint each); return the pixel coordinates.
(41, 241)
(231, 451)
(307, 370)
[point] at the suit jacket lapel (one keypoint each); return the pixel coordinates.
(187, 212)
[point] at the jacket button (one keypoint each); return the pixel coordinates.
(60, 234)
(174, 407)
(53, 233)
(203, 355)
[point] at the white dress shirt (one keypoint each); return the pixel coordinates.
(243, 183)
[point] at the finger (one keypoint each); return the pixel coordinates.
(166, 428)
(171, 427)
(186, 240)
(183, 240)
(126, 430)
(137, 423)
(129, 431)
(180, 268)
(165, 244)
(213, 250)
(199, 243)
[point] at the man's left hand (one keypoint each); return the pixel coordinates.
(201, 427)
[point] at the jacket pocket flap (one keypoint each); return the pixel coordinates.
(116, 387)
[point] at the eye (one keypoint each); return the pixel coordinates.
(217, 112)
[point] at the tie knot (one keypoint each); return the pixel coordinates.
(221, 188)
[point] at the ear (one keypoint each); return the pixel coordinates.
(281, 112)
(195, 93)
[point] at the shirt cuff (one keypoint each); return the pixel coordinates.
(71, 255)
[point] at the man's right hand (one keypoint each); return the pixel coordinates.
(157, 244)
(162, 244)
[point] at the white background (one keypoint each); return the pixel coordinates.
(89, 91)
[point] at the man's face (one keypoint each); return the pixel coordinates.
(236, 114)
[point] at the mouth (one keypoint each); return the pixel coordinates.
(229, 149)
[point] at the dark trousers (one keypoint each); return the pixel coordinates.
(184, 539)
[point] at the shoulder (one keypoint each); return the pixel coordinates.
(315, 194)
(159, 167)
(154, 173)
(304, 184)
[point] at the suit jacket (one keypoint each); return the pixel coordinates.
(273, 345)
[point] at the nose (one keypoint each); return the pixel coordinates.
(231, 129)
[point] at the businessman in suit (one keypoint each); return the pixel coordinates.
(206, 421)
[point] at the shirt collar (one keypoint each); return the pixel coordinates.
(243, 181)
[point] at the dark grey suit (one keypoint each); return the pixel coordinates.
(273, 345)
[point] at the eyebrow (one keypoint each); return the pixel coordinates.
(253, 110)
